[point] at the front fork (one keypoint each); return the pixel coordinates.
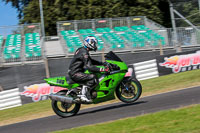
(124, 86)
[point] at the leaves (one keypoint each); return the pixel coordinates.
(62, 10)
(190, 10)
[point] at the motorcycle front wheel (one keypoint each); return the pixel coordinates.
(129, 90)
(65, 109)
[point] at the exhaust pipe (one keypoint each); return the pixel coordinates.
(61, 98)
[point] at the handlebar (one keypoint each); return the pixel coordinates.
(112, 67)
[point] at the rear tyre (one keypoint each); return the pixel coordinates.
(129, 90)
(65, 109)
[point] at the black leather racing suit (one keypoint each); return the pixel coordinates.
(81, 62)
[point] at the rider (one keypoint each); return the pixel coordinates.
(83, 61)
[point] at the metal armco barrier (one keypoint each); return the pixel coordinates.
(10, 98)
(162, 65)
(146, 70)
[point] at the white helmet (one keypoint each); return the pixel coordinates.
(90, 43)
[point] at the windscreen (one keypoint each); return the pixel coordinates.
(112, 56)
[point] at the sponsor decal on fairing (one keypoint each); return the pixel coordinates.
(129, 73)
(180, 63)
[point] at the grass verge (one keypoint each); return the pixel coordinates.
(185, 120)
(150, 87)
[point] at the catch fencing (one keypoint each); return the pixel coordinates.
(20, 29)
(153, 36)
(20, 43)
(100, 23)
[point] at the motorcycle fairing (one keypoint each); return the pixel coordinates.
(60, 81)
(106, 88)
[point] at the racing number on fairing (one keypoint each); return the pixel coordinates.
(59, 81)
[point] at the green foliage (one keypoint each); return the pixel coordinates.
(150, 86)
(172, 81)
(185, 120)
(62, 10)
(25, 110)
(189, 10)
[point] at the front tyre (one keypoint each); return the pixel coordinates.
(129, 90)
(65, 109)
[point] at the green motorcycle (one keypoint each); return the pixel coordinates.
(128, 89)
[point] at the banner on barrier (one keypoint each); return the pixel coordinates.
(40, 91)
(179, 62)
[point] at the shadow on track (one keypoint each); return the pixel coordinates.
(110, 108)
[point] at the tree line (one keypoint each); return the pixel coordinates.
(62, 10)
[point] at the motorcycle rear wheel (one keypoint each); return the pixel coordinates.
(129, 90)
(65, 109)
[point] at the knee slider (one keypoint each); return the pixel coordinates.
(91, 82)
(92, 76)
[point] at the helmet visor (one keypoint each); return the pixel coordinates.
(94, 46)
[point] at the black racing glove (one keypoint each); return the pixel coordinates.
(107, 69)
(105, 63)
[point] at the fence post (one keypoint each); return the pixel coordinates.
(110, 21)
(45, 58)
(47, 68)
(102, 55)
(93, 24)
(1, 89)
(161, 47)
(75, 25)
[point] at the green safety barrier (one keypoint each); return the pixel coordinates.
(135, 36)
(33, 51)
(69, 32)
(32, 38)
(103, 30)
(13, 40)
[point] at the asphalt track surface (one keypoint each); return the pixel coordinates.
(110, 112)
